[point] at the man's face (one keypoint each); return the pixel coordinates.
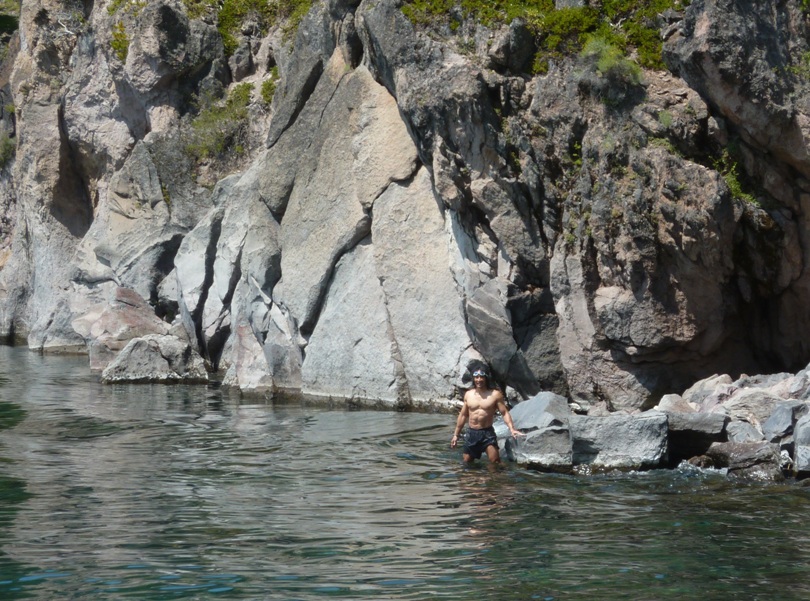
(480, 381)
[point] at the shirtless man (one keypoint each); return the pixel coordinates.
(480, 404)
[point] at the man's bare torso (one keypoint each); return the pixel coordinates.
(482, 405)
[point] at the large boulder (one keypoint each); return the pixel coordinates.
(619, 441)
(110, 325)
(156, 358)
(754, 405)
(547, 449)
(547, 444)
(707, 388)
(742, 431)
(675, 403)
(541, 410)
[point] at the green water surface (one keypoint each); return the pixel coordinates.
(175, 492)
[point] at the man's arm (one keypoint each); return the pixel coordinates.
(462, 419)
(507, 418)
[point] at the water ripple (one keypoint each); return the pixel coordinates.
(173, 492)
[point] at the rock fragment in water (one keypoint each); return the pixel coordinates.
(748, 460)
(801, 453)
(156, 358)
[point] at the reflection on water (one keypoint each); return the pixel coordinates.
(167, 492)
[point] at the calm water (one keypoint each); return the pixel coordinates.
(158, 492)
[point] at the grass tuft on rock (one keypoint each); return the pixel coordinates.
(268, 89)
(120, 41)
(7, 149)
(220, 126)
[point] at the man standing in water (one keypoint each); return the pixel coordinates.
(480, 404)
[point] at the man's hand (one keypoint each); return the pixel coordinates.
(515, 433)
(453, 441)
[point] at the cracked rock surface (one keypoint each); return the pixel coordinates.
(411, 203)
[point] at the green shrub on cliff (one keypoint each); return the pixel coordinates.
(120, 41)
(233, 14)
(611, 63)
(729, 168)
(9, 22)
(7, 149)
(133, 8)
(220, 126)
(564, 31)
(268, 89)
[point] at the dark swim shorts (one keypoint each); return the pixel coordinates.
(476, 441)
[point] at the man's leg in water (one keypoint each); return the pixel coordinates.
(493, 454)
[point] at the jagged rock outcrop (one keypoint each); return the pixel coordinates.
(411, 203)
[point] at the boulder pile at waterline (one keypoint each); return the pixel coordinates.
(755, 428)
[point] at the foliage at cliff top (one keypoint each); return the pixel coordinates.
(626, 24)
(232, 15)
(9, 11)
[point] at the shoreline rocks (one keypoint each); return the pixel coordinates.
(754, 428)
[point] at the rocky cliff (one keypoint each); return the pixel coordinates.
(343, 203)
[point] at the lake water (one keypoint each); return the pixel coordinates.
(179, 492)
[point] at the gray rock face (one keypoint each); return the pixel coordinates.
(725, 52)
(674, 403)
(352, 352)
(779, 425)
(750, 404)
(543, 409)
(327, 211)
(738, 431)
(409, 204)
(547, 448)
